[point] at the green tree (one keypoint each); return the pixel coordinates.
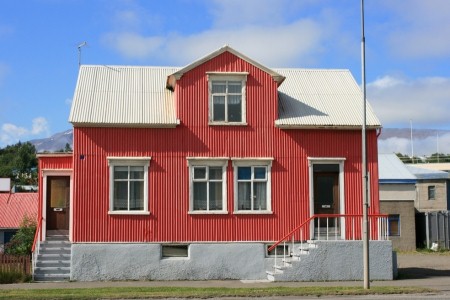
(67, 148)
(22, 242)
(404, 158)
(19, 163)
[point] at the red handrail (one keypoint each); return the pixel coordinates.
(36, 235)
(321, 216)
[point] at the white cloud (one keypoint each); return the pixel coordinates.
(419, 28)
(425, 101)
(40, 125)
(11, 133)
(133, 45)
(276, 33)
(272, 45)
(421, 146)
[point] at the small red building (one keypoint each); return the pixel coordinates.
(191, 173)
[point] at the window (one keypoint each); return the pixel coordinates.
(207, 185)
(252, 185)
(172, 251)
(128, 185)
(431, 192)
(280, 250)
(227, 98)
(394, 225)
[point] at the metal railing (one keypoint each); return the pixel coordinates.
(332, 227)
(36, 246)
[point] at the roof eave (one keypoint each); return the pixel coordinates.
(127, 125)
(315, 126)
(177, 75)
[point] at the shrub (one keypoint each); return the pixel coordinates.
(22, 242)
(13, 277)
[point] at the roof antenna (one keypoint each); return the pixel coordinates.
(79, 52)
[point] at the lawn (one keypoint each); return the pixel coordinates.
(186, 292)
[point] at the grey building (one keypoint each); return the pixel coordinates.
(432, 189)
(397, 186)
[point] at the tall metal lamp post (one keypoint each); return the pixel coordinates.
(365, 184)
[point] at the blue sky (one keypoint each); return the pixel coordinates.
(407, 49)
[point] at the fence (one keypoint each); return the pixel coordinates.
(10, 263)
(433, 228)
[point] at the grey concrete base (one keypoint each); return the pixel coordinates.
(338, 260)
(92, 262)
(341, 260)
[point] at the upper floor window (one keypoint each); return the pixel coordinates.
(207, 181)
(252, 184)
(128, 185)
(227, 105)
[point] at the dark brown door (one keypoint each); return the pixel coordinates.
(58, 202)
(326, 196)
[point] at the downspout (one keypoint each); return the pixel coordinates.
(379, 132)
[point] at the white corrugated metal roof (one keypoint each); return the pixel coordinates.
(123, 96)
(320, 98)
(392, 169)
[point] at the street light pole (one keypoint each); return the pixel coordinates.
(365, 185)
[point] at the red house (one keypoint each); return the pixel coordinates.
(194, 172)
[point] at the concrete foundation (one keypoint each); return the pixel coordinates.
(337, 260)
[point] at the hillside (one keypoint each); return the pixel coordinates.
(54, 143)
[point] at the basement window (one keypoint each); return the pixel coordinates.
(279, 249)
(174, 251)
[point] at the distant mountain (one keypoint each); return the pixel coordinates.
(54, 143)
(405, 133)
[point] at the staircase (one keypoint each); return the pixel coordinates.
(53, 260)
(291, 261)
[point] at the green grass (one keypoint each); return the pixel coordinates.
(13, 276)
(186, 292)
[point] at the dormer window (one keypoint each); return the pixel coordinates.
(227, 98)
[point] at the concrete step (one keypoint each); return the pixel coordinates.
(51, 270)
(51, 277)
(53, 263)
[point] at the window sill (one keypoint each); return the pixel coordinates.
(227, 123)
(253, 212)
(128, 212)
(208, 212)
(175, 258)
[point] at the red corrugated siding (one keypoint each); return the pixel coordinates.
(168, 174)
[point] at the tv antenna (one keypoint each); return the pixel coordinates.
(79, 52)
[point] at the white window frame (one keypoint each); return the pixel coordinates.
(128, 161)
(227, 76)
(207, 162)
(253, 162)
